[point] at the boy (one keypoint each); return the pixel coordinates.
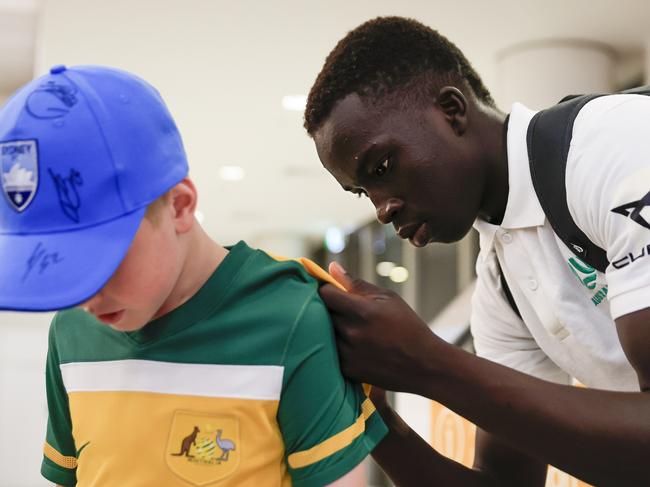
(185, 363)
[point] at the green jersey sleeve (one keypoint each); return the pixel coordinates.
(328, 424)
(59, 454)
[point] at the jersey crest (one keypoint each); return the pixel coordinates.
(203, 448)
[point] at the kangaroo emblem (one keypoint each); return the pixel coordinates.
(226, 446)
(188, 441)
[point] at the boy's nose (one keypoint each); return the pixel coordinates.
(91, 304)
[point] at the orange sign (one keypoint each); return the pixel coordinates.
(453, 437)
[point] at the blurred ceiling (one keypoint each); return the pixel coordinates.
(225, 66)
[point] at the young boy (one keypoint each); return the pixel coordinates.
(184, 362)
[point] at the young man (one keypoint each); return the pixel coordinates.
(399, 115)
(184, 362)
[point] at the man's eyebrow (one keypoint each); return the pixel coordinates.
(362, 158)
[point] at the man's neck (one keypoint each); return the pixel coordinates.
(494, 132)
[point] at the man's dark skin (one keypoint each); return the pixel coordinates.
(431, 170)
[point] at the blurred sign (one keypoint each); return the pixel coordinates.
(453, 436)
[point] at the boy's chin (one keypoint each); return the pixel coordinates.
(128, 325)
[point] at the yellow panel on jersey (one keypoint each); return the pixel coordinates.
(200, 440)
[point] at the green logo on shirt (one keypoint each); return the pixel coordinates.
(587, 277)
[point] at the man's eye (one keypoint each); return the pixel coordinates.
(382, 168)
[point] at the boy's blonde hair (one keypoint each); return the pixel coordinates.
(153, 210)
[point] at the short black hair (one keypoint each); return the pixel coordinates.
(388, 55)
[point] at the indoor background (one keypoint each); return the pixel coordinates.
(235, 76)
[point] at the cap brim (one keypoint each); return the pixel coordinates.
(47, 272)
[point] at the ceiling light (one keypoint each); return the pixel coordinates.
(384, 268)
(334, 240)
(294, 103)
(231, 173)
(399, 274)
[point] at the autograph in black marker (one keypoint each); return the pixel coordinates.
(41, 259)
(67, 189)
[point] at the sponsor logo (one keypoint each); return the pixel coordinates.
(633, 210)
(631, 257)
(587, 276)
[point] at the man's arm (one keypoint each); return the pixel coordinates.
(495, 465)
(602, 437)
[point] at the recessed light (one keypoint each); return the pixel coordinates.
(384, 268)
(334, 240)
(294, 103)
(231, 173)
(399, 274)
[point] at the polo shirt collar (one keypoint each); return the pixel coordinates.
(522, 208)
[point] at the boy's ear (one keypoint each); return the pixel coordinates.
(183, 205)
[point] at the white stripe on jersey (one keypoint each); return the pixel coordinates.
(261, 382)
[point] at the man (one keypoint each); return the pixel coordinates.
(398, 114)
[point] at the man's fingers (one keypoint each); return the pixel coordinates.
(336, 300)
(355, 286)
(340, 275)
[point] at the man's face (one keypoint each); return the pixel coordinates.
(145, 278)
(418, 172)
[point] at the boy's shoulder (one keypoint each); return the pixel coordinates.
(273, 276)
(304, 272)
(284, 291)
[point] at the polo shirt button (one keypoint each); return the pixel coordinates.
(506, 238)
(533, 284)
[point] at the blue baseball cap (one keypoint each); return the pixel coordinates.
(83, 151)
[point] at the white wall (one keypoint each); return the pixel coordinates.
(23, 409)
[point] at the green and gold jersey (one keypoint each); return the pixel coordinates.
(240, 386)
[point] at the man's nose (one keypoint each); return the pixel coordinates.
(387, 210)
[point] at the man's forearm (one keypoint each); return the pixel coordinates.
(411, 462)
(602, 437)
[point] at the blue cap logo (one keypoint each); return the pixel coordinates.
(19, 172)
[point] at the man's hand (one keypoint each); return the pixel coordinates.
(378, 334)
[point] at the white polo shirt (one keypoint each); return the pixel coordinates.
(568, 308)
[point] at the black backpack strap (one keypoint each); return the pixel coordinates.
(506, 289)
(548, 138)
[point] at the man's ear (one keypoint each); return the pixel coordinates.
(183, 204)
(453, 105)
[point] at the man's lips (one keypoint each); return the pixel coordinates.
(418, 234)
(422, 236)
(111, 318)
(408, 231)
